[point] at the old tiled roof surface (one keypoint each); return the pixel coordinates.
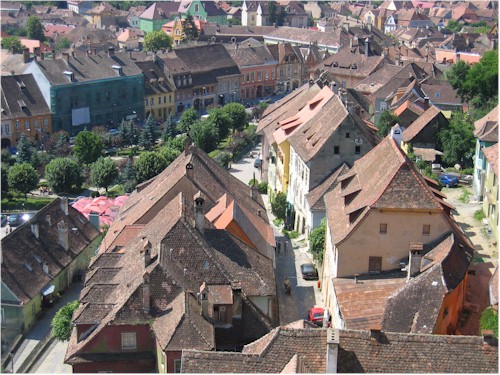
(88, 68)
(416, 306)
(410, 106)
(155, 80)
(426, 154)
(420, 123)
(306, 36)
(382, 178)
(20, 247)
(378, 79)
(126, 234)
(491, 154)
(237, 30)
(249, 56)
(20, 91)
(404, 352)
(315, 196)
(344, 61)
(212, 57)
(160, 10)
(82, 35)
(486, 128)
(442, 93)
(270, 354)
(362, 304)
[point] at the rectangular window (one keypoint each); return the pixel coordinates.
(45, 123)
(426, 230)
(35, 123)
(266, 75)
(129, 341)
(375, 265)
(248, 77)
(347, 135)
(7, 129)
(344, 84)
(336, 150)
(27, 124)
(151, 102)
(253, 76)
(177, 366)
(383, 106)
(272, 74)
(159, 100)
(357, 150)
(383, 229)
(259, 75)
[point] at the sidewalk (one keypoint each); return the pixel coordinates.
(41, 330)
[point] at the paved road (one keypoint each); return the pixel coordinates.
(52, 363)
(244, 170)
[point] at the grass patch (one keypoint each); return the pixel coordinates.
(479, 215)
(21, 204)
(489, 320)
(278, 222)
(116, 191)
(293, 234)
(464, 198)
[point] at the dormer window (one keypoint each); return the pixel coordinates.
(21, 85)
(117, 69)
(70, 75)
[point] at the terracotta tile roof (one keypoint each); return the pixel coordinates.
(354, 63)
(491, 154)
(315, 196)
(426, 154)
(23, 254)
(270, 354)
(420, 123)
(249, 56)
(486, 128)
(416, 306)
(213, 57)
(362, 304)
(22, 97)
(383, 178)
(406, 352)
(411, 106)
(306, 36)
(378, 79)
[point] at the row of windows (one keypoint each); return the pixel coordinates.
(336, 149)
(76, 101)
(27, 124)
(152, 101)
(426, 229)
(250, 76)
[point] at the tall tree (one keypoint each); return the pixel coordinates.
(148, 165)
(88, 147)
(22, 178)
(317, 241)
(189, 28)
(35, 29)
(205, 135)
(281, 16)
(386, 120)
(128, 176)
(149, 133)
(221, 120)
(103, 173)
(458, 141)
(169, 128)
(12, 43)
(188, 118)
(278, 206)
(63, 174)
(4, 180)
(24, 149)
(238, 115)
(156, 40)
(272, 12)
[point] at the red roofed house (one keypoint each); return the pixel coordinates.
(100, 210)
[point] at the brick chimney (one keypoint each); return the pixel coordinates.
(332, 350)
(64, 205)
(367, 47)
(416, 252)
(335, 88)
(111, 51)
(26, 55)
(198, 212)
(203, 295)
(375, 333)
(147, 251)
(146, 294)
(62, 230)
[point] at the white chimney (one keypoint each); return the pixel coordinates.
(416, 250)
(45, 267)
(34, 229)
(64, 205)
(203, 295)
(198, 212)
(146, 295)
(62, 230)
(332, 350)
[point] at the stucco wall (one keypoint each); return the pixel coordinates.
(450, 310)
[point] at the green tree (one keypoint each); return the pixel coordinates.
(187, 119)
(205, 135)
(458, 141)
(22, 178)
(103, 173)
(129, 132)
(156, 40)
(259, 110)
(457, 76)
(177, 143)
(224, 159)
(454, 26)
(221, 120)
(4, 179)
(189, 28)
(386, 120)
(234, 21)
(63, 43)
(88, 147)
(128, 176)
(278, 206)
(489, 320)
(238, 115)
(169, 153)
(12, 42)
(7, 158)
(317, 241)
(149, 133)
(61, 323)
(169, 128)
(63, 174)
(34, 29)
(148, 165)
(272, 12)
(24, 149)
(281, 16)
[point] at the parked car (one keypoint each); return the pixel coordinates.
(316, 315)
(14, 220)
(4, 220)
(309, 272)
(257, 163)
(448, 180)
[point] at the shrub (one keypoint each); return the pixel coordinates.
(278, 222)
(262, 186)
(489, 320)
(464, 198)
(479, 215)
(317, 241)
(278, 206)
(61, 323)
(293, 234)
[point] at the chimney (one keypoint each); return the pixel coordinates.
(26, 55)
(45, 268)
(49, 221)
(332, 350)
(64, 205)
(426, 101)
(254, 190)
(367, 47)
(73, 54)
(204, 299)
(36, 51)
(488, 337)
(187, 144)
(94, 51)
(94, 219)
(334, 88)
(35, 229)
(111, 51)
(65, 56)
(350, 42)
(346, 27)
(198, 212)
(146, 299)
(147, 251)
(416, 249)
(62, 230)
(375, 333)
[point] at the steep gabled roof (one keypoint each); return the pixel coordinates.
(161, 10)
(420, 123)
(486, 128)
(315, 196)
(491, 154)
(22, 97)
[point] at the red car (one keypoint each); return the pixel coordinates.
(316, 315)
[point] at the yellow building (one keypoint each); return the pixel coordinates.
(159, 90)
(175, 30)
(490, 201)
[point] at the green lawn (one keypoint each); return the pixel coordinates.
(21, 204)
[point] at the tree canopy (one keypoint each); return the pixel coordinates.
(10, 42)
(221, 120)
(63, 174)
(148, 165)
(278, 206)
(238, 115)
(22, 178)
(63, 43)
(149, 133)
(169, 128)
(189, 28)
(61, 323)
(35, 29)
(24, 149)
(88, 147)
(103, 173)
(386, 120)
(129, 132)
(458, 141)
(188, 118)
(205, 135)
(156, 40)
(317, 241)
(4, 179)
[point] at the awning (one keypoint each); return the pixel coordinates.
(48, 290)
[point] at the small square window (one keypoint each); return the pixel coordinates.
(129, 340)
(348, 135)
(426, 230)
(336, 150)
(357, 150)
(383, 229)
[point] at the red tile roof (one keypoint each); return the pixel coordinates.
(486, 128)
(491, 154)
